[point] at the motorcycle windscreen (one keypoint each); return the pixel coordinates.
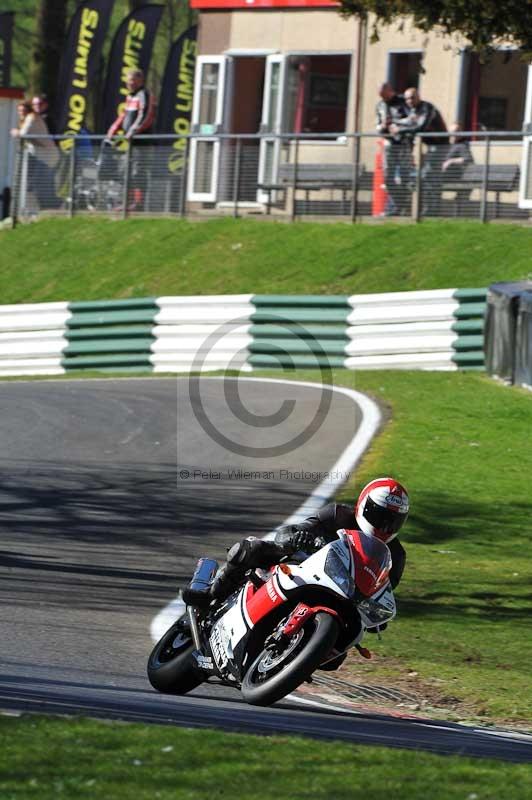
(373, 562)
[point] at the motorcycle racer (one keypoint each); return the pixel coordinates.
(380, 510)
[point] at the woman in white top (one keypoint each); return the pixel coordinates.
(43, 155)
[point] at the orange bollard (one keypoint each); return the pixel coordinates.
(380, 195)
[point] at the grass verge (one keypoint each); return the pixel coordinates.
(50, 758)
(86, 259)
(461, 444)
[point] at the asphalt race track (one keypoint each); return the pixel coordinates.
(109, 492)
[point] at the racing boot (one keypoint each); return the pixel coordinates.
(228, 579)
(250, 553)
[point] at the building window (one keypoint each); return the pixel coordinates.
(404, 69)
(495, 92)
(317, 94)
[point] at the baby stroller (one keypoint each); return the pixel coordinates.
(99, 181)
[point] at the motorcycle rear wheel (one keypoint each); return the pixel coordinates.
(170, 665)
(291, 667)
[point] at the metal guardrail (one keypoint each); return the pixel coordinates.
(353, 176)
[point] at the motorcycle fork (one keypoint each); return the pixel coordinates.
(194, 628)
(205, 662)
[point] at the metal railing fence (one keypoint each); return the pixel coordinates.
(353, 176)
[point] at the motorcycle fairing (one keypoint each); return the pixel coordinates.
(268, 597)
(312, 570)
(230, 633)
(378, 609)
(372, 558)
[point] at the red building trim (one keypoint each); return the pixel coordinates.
(15, 94)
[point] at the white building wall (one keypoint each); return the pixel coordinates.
(8, 120)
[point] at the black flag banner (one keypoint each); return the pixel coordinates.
(79, 64)
(6, 36)
(132, 49)
(175, 106)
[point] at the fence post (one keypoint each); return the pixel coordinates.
(484, 199)
(236, 180)
(19, 157)
(294, 182)
(72, 178)
(184, 182)
(354, 187)
(127, 176)
(417, 200)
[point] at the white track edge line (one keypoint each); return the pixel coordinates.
(348, 460)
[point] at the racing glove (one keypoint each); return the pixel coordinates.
(303, 540)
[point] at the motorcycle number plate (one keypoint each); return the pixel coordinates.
(216, 641)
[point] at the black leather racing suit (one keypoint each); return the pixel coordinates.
(252, 553)
(335, 516)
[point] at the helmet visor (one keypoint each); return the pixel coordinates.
(384, 519)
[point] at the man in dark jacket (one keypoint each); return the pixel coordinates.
(397, 152)
(424, 117)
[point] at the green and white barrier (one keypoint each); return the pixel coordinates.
(202, 333)
(110, 335)
(32, 338)
(440, 329)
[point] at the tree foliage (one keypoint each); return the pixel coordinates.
(48, 46)
(483, 22)
(40, 33)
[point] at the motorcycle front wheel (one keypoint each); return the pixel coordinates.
(275, 673)
(170, 665)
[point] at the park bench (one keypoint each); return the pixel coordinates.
(316, 178)
(501, 178)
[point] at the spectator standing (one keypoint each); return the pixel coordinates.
(397, 151)
(42, 155)
(424, 117)
(39, 105)
(136, 118)
(23, 109)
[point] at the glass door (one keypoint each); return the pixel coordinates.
(207, 121)
(525, 189)
(271, 123)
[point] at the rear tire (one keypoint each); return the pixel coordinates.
(289, 669)
(171, 665)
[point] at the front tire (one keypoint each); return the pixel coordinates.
(171, 665)
(272, 676)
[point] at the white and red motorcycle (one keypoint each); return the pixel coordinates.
(270, 636)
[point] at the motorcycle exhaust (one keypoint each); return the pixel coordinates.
(203, 576)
